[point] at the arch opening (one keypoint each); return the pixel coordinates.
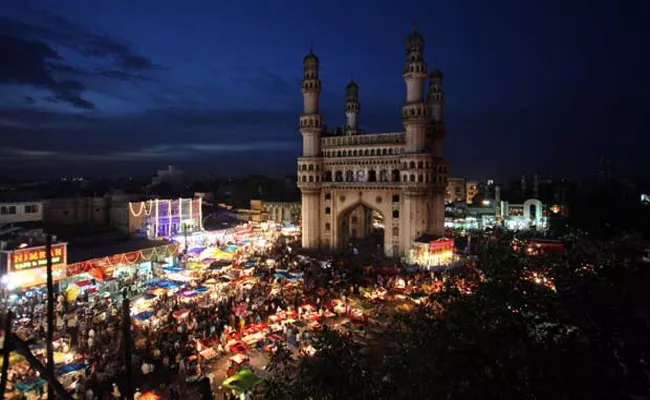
(362, 227)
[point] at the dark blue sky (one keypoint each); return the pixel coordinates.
(111, 87)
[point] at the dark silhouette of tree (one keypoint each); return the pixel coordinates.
(512, 337)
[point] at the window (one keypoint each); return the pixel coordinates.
(328, 210)
(395, 198)
(395, 213)
(327, 226)
(31, 209)
(3, 210)
(395, 231)
(328, 196)
(12, 209)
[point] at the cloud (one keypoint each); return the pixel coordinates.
(66, 33)
(30, 57)
(158, 152)
(29, 62)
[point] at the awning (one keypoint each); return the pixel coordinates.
(242, 381)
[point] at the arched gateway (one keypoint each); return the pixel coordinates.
(345, 175)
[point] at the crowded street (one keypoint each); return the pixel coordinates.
(213, 318)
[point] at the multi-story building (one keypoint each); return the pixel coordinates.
(461, 190)
(399, 175)
(472, 188)
(88, 211)
(276, 211)
(19, 212)
(456, 190)
(157, 218)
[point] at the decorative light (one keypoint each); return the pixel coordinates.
(156, 224)
(143, 208)
(169, 218)
(124, 258)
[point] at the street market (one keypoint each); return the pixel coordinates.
(217, 312)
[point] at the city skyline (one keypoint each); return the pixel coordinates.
(109, 88)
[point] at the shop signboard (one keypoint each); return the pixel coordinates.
(34, 257)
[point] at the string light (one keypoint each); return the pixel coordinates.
(156, 219)
(169, 218)
(124, 258)
(143, 208)
(180, 211)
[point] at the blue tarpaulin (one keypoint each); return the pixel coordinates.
(66, 369)
(152, 282)
(285, 275)
(249, 264)
(172, 268)
(29, 385)
(143, 316)
(201, 289)
(167, 284)
(230, 249)
(411, 269)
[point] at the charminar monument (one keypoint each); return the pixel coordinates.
(346, 175)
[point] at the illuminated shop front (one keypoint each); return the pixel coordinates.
(26, 268)
(165, 218)
(202, 238)
(432, 253)
(135, 266)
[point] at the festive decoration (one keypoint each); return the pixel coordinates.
(110, 262)
(142, 208)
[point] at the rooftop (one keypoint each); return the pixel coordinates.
(88, 251)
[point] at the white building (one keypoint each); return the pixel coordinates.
(23, 211)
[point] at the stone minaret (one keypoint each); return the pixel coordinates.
(435, 136)
(309, 165)
(414, 112)
(436, 104)
(352, 108)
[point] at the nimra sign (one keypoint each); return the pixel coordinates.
(33, 258)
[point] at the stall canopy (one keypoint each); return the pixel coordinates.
(165, 284)
(242, 381)
(29, 385)
(285, 275)
(66, 369)
(201, 289)
(196, 251)
(143, 316)
(172, 268)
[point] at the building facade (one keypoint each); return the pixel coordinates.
(461, 190)
(277, 211)
(160, 218)
(18, 212)
(89, 211)
(399, 175)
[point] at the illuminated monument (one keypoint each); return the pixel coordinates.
(346, 175)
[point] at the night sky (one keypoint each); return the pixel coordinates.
(127, 87)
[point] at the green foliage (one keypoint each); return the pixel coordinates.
(511, 338)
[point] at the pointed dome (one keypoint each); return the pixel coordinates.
(436, 73)
(310, 57)
(414, 38)
(352, 89)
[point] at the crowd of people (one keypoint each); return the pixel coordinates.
(167, 346)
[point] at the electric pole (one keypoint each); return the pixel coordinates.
(50, 318)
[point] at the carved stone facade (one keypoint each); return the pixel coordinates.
(400, 175)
